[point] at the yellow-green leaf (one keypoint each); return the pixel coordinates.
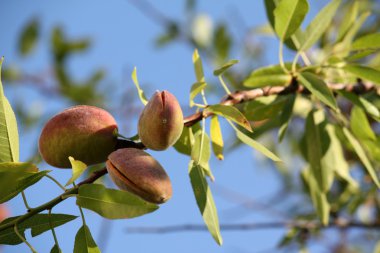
(84, 243)
(196, 88)
(369, 41)
(18, 167)
(273, 75)
(141, 93)
(364, 72)
(216, 137)
(78, 168)
(224, 67)
(198, 67)
(231, 113)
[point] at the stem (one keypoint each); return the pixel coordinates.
(294, 64)
(82, 215)
(23, 239)
(25, 201)
(281, 57)
(224, 84)
(56, 182)
(204, 97)
(53, 231)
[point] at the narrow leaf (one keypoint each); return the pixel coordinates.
(286, 116)
(224, 67)
(205, 200)
(289, 15)
(112, 204)
(198, 67)
(18, 167)
(363, 103)
(318, 88)
(264, 107)
(231, 113)
(360, 125)
(348, 20)
(362, 155)
(78, 168)
(84, 243)
(272, 75)
(319, 24)
(141, 93)
(201, 152)
(367, 42)
(216, 137)
(196, 88)
(364, 72)
(28, 37)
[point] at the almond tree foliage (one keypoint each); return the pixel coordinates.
(324, 104)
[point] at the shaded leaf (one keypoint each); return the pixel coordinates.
(289, 15)
(28, 37)
(112, 204)
(141, 93)
(84, 243)
(264, 107)
(216, 137)
(55, 249)
(318, 88)
(196, 88)
(205, 200)
(222, 42)
(224, 67)
(183, 145)
(362, 103)
(272, 75)
(231, 113)
(364, 72)
(286, 116)
(78, 168)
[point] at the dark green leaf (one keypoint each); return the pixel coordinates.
(272, 75)
(319, 24)
(28, 38)
(231, 113)
(286, 116)
(205, 200)
(224, 67)
(84, 243)
(216, 137)
(12, 183)
(55, 249)
(289, 15)
(196, 88)
(112, 204)
(264, 107)
(141, 93)
(364, 72)
(370, 41)
(318, 88)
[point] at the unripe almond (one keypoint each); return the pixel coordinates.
(84, 132)
(161, 122)
(136, 171)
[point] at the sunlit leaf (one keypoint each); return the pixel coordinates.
(231, 113)
(18, 167)
(78, 168)
(205, 200)
(201, 152)
(364, 72)
(84, 243)
(318, 88)
(289, 15)
(196, 88)
(348, 20)
(183, 145)
(216, 137)
(360, 125)
(141, 93)
(369, 41)
(224, 67)
(273, 75)
(198, 67)
(112, 204)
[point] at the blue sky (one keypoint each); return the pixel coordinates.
(122, 38)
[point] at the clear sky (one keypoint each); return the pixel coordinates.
(122, 38)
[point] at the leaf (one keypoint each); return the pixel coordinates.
(112, 204)
(198, 67)
(12, 183)
(196, 88)
(366, 42)
(254, 144)
(272, 75)
(362, 103)
(224, 67)
(360, 125)
(364, 72)
(200, 151)
(9, 143)
(183, 144)
(288, 17)
(216, 137)
(55, 249)
(285, 116)
(38, 223)
(319, 24)
(18, 167)
(362, 155)
(264, 107)
(205, 200)
(222, 41)
(84, 243)
(231, 113)
(28, 38)
(141, 93)
(78, 168)
(318, 88)
(348, 20)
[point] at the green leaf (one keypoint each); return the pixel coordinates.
(285, 116)
(183, 145)
(319, 198)
(78, 168)
(38, 223)
(18, 167)
(55, 249)
(196, 88)
(28, 38)
(319, 24)
(289, 15)
(231, 113)
(9, 143)
(198, 67)
(362, 103)
(112, 204)
(224, 67)
(222, 41)
(254, 144)
(362, 155)
(369, 41)
(272, 75)
(216, 137)
(318, 88)
(205, 200)
(12, 183)
(84, 243)
(364, 72)
(348, 20)
(264, 107)
(141, 93)
(201, 152)
(360, 125)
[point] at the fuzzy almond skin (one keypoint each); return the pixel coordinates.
(161, 122)
(84, 132)
(136, 171)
